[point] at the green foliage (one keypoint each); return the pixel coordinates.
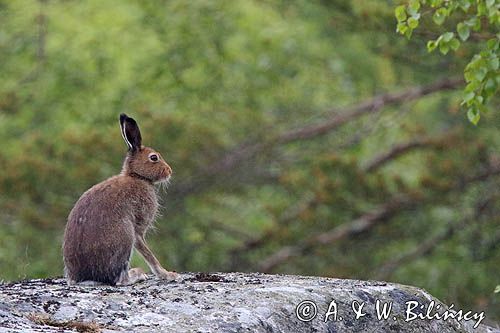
(482, 73)
(206, 80)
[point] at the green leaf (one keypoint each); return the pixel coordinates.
(497, 289)
(474, 23)
(452, 6)
(431, 45)
(436, 3)
(489, 3)
(493, 63)
(463, 31)
(469, 87)
(444, 48)
(472, 85)
(493, 44)
(412, 22)
(454, 44)
(448, 36)
(473, 115)
(468, 97)
(400, 13)
(484, 54)
(465, 5)
(402, 28)
(413, 7)
(490, 87)
(439, 16)
(480, 73)
(475, 62)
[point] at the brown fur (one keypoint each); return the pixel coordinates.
(113, 216)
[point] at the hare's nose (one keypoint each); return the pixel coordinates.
(169, 169)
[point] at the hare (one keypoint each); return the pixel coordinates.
(113, 216)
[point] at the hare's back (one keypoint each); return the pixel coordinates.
(103, 203)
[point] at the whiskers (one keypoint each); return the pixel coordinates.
(164, 184)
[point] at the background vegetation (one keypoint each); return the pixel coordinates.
(306, 137)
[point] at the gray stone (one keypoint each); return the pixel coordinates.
(225, 302)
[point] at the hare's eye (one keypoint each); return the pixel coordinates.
(153, 157)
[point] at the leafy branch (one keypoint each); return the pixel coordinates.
(482, 73)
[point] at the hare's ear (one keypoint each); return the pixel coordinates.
(130, 132)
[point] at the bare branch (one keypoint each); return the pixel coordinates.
(340, 116)
(492, 170)
(364, 223)
(357, 226)
(395, 152)
(283, 221)
(228, 229)
(405, 147)
(297, 209)
(281, 256)
(423, 249)
(429, 245)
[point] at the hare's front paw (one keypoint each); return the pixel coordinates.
(166, 275)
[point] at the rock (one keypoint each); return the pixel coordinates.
(226, 302)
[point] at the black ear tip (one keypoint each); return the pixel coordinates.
(123, 117)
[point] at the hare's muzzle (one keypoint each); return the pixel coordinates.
(167, 171)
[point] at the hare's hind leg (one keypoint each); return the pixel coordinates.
(137, 274)
(131, 276)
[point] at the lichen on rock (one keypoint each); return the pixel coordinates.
(222, 302)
